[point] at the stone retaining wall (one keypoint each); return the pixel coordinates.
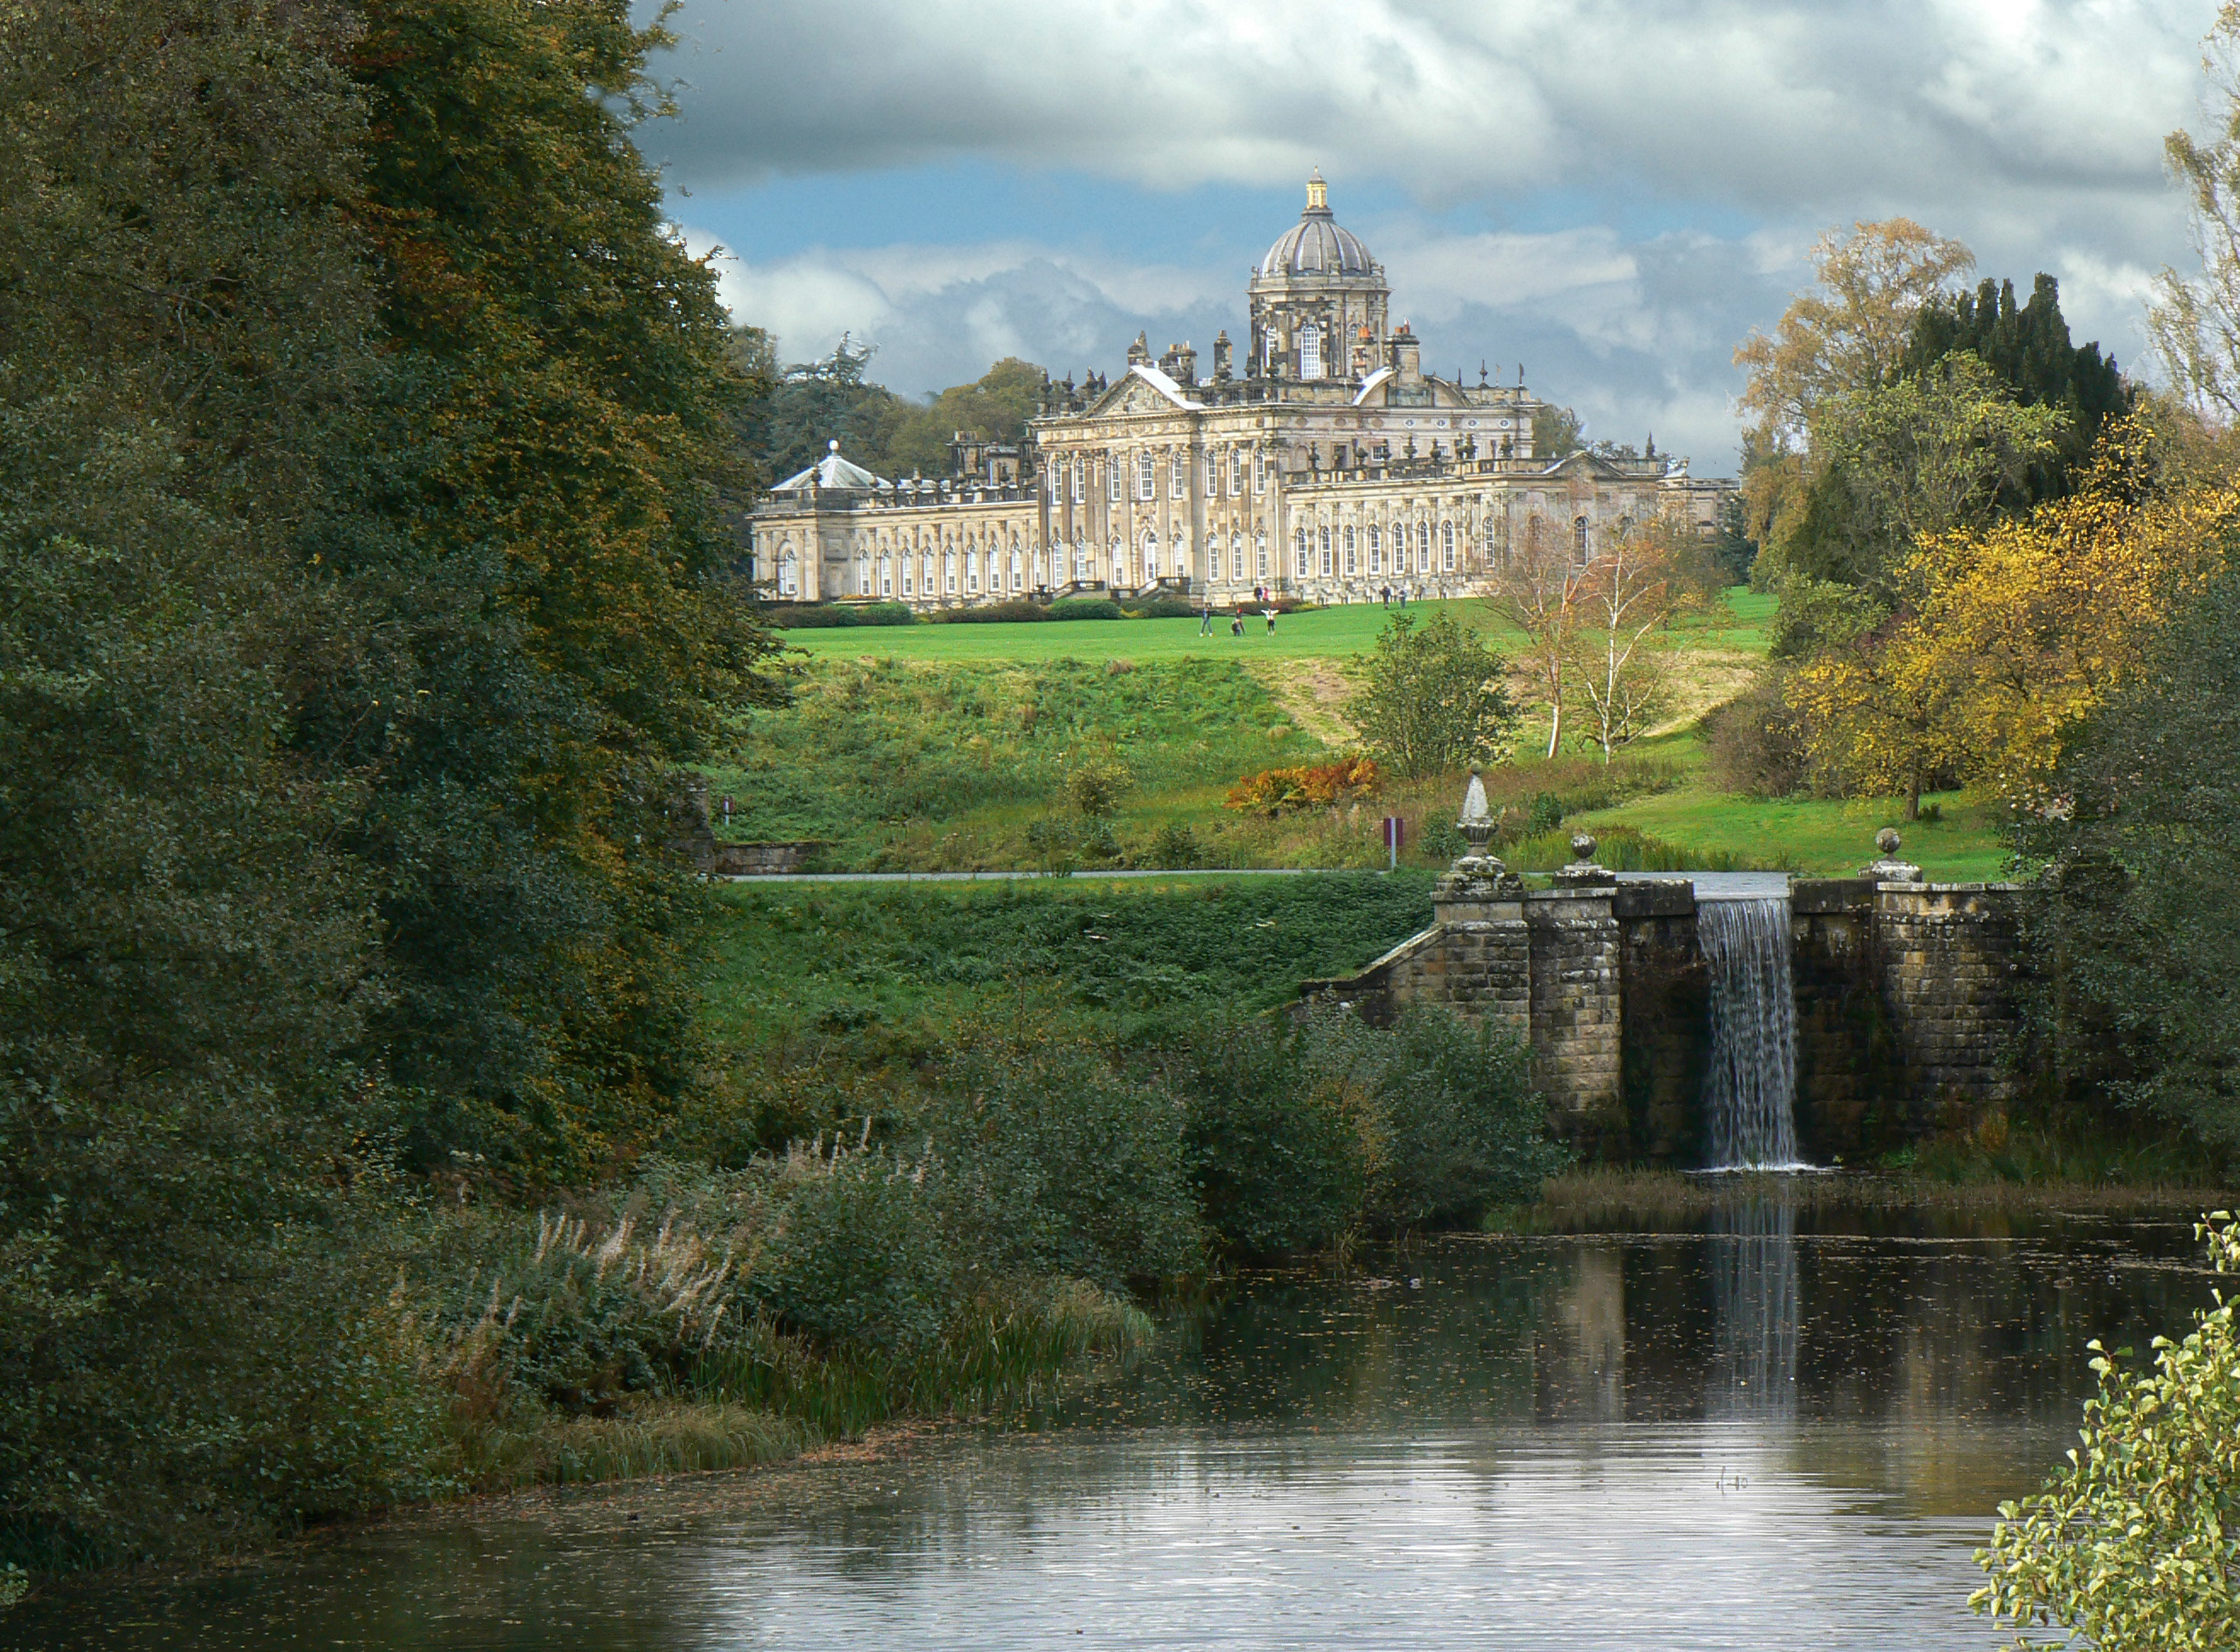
(1905, 1009)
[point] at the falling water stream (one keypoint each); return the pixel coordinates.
(1751, 1088)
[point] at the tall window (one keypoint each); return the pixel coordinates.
(1261, 543)
(1212, 474)
(1322, 538)
(1446, 546)
(1078, 481)
(1311, 351)
(1178, 475)
(1350, 566)
(887, 577)
(1150, 557)
(1112, 478)
(1376, 549)
(1259, 471)
(1299, 552)
(1147, 475)
(1579, 537)
(1235, 473)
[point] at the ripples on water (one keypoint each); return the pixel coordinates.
(1767, 1434)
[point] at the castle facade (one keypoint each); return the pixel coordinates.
(1330, 467)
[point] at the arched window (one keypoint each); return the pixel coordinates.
(1112, 478)
(1212, 474)
(1151, 556)
(1119, 575)
(1311, 351)
(1260, 544)
(1349, 565)
(1178, 475)
(1376, 549)
(1322, 541)
(1579, 537)
(886, 576)
(1079, 482)
(1147, 475)
(1259, 471)
(1446, 546)
(1299, 552)
(1235, 473)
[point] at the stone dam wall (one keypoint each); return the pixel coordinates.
(1905, 1007)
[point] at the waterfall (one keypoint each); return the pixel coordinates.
(1752, 1085)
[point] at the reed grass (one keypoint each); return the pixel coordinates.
(657, 1435)
(998, 1355)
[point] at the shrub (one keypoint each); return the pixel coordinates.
(1165, 608)
(1096, 785)
(1175, 845)
(1755, 743)
(2132, 1545)
(1275, 791)
(810, 616)
(1432, 700)
(1084, 608)
(993, 614)
(885, 614)
(1449, 1119)
(1056, 1164)
(1277, 1165)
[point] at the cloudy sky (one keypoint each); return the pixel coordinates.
(1610, 195)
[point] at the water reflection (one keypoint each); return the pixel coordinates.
(1770, 1432)
(1752, 1262)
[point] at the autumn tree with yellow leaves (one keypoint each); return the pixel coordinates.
(2011, 633)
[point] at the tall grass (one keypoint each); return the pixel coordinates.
(997, 1355)
(657, 1435)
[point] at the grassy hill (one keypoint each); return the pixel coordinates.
(948, 747)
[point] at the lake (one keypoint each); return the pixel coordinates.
(1784, 1427)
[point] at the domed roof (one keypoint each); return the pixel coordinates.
(1315, 245)
(832, 471)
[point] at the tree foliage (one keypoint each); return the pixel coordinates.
(2137, 1544)
(1627, 600)
(2138, 908)
(361, 498)
(2008, 637)
(790, 417)
(1431, 700)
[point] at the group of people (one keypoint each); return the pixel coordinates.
(1236, 619)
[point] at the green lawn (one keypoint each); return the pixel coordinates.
(1321, 633)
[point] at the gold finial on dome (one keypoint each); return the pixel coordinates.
(1317, 193)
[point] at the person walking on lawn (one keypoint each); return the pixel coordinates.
(1205, 619)
(1270, 613)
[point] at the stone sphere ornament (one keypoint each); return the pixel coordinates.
(1582, 846)
(1888, 841)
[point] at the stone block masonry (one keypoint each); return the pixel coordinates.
(1905, 1002)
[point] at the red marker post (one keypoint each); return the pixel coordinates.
(1395, 833)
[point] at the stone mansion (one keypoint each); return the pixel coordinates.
(1327, 465)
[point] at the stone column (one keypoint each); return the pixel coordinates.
(1578, 1055)
(1477, 910)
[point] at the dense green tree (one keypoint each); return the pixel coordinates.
(1428, 700)
(2028, 348)
(534, 551)
(365, 458)
(1555, 432)
(811, 403)
(2140, 911)
(187, 953)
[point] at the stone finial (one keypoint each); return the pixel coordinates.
(1475, 876)
(1477, 823)
(1890, 868)
(1582, 870)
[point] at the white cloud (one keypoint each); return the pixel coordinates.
(2031, 129)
